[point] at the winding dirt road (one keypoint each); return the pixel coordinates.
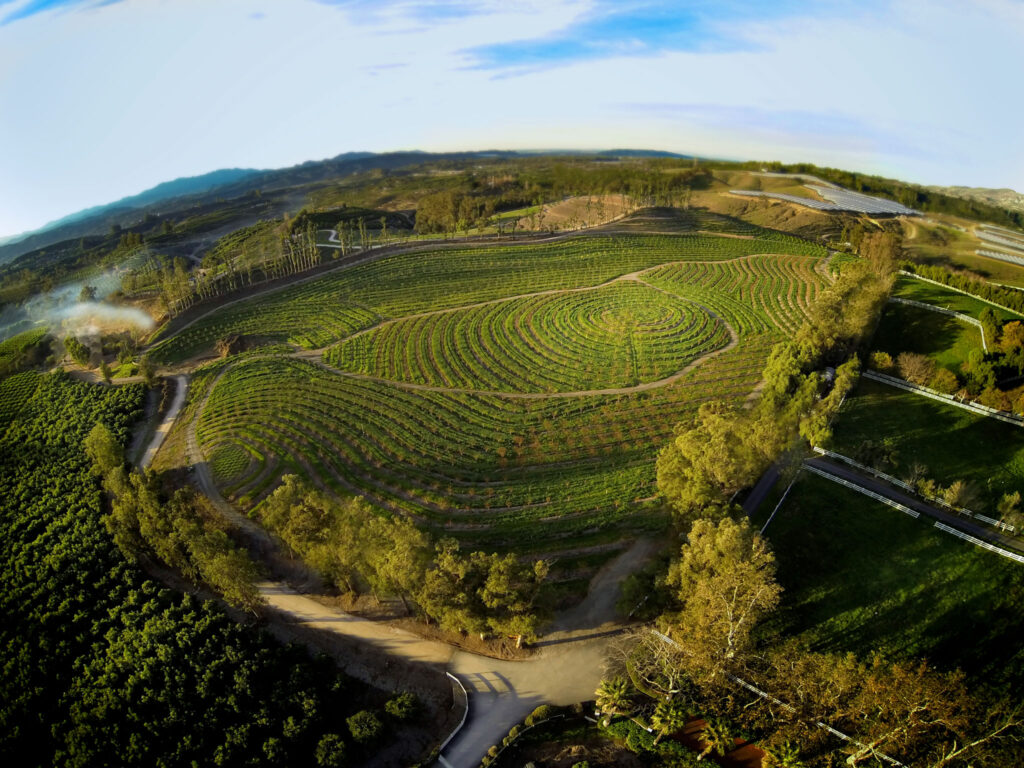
(566, 669)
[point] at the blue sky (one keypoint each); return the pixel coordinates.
(103, 98)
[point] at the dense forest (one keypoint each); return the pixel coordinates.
(103, 666)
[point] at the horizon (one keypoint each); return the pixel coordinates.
(899, 88)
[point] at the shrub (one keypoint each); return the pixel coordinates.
(944, 381)
(882, 361)
(365, 727)
(404, 706)
(330, 752)
(543, 712)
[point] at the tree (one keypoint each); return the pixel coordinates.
(613, 698)
(669, 716)
(716, 737)
(365, 727)
(330, 751)
(915, 368)
(396, 553)
(508, 594)
(725, 582)
(882, 361)
(78, 351)
(450, 590)
(990, 327)
(906, 709)
(147, 370)
(88, 293)
(708, 462)
(103, 449)
(1012, 337)
(784, 755)
(944, 381)
(105, 371)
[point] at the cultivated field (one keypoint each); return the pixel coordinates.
(510, 395)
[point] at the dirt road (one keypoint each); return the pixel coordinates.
(181, 387)
(566, 669)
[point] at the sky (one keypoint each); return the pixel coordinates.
(100, 99)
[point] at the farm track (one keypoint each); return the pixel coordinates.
(567, 667)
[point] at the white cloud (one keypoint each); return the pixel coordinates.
(95, 105)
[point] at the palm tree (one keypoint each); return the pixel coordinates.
(613, 698)
(668, 717)
(717, 738)
(785, 755)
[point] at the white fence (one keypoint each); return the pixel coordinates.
(943, 311)
(860, 489)
(981, 410)
(911, 489)
(980, 543)
(957, 290)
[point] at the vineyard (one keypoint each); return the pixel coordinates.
(319, 312)
(619, 335)
(518, 395)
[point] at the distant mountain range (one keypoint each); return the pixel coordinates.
(180, 193)
(1004, 198)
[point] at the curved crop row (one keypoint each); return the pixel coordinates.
(485, 468)
(619, 335)
(755, 294)
(321, 311)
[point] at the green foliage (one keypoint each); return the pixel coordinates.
(24, 350)
(78, 351)
(404, 706)
(331, 751)
(15, 391)
(321, 311)
(541, 713)
(101, 665)
(365, 727)
(619, 335)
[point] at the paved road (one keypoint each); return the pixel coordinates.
(762, 489)
(952, 520)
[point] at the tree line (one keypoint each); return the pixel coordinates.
(357, 549)
(725, 449)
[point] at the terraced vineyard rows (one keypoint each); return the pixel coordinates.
(488, 469)
(511, 446)
(753, 294)
(618, 335)
(325, 310)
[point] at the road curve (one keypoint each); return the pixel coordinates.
(566, 669)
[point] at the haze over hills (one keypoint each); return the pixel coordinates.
(179, 194)
(1005, 198)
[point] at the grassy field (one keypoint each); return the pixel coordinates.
(540, 472)
(861, 576)
(952, 443)
(945, 339)
(940, 296)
